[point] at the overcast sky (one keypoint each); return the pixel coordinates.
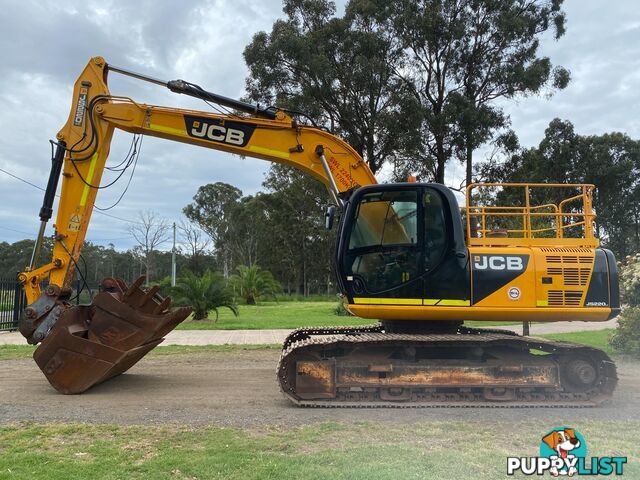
(45, 44)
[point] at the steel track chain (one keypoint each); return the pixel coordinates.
(303, 341)
(307, 332)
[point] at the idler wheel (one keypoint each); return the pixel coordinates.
(580, 373)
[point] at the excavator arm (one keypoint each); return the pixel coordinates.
(128, 319)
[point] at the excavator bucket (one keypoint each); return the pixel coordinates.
(93, 343)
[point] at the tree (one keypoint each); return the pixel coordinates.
(412, 81)
(252, 282)
(245, 231)
(281, 229)
(196, 244)
(630, 280)
(211, 209)
(204, 293)
(14, 257)
(339, 71)
(231, 220)
(460, 56)
(611, 162)
(626, 337)
(150, 231)
(295, 206)
(99, 261)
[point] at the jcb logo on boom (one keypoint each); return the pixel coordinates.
(218, 133)
(498, 262)
(215, 130)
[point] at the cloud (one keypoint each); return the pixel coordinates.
(602, 50)
(46, 43)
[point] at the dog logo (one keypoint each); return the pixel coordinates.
(563, 452)
(563, 444)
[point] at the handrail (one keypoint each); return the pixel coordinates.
(559, 228)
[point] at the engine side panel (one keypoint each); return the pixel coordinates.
(515, 284)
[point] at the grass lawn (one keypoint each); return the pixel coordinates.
(596, 339)
(291, 314)
(14, 352)
(17, 352)
(276, 315)
(435, 450)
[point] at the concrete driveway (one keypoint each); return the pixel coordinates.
(259, 337)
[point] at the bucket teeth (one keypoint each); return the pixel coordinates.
(149, 296)
(92, 343)
(162, 306)
(135, 287)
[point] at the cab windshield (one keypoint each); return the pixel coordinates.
(396, 236)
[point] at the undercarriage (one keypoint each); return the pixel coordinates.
(369, 367)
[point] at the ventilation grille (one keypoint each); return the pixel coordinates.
(564, 298)
(572, 259)
(571, 275)
(566, 250)
(574, 269)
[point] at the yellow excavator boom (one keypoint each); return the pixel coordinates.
(83, 147)
(90, 344)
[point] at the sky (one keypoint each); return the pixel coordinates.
(45, 44)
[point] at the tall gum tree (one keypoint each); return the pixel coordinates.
(459, 57)
(410, 82)
(339, 71)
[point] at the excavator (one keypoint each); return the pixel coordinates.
(407, 257)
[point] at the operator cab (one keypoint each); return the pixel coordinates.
(401, 244)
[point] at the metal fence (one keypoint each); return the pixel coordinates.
(12, 302)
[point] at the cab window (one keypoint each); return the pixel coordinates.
(435, 229)
(386, 218)
(383, 246)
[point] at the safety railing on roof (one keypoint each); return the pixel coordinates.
(530, 214)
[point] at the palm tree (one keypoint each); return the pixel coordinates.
(205, 293)
(252, 282)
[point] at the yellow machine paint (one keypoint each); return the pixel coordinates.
(554, 285)
(536, 302)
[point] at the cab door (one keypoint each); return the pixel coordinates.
(403, 244)
(382, 249)
(446, 281)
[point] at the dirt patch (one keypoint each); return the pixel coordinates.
(239, 389)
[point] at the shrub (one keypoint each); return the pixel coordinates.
(341, 311)
(205, 293)
(626, 338)
(630, 280)
(251, 283)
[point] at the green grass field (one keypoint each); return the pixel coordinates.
(17, 352)
(434, 450)
(290, 314)
(276, 315)
(598, 339)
